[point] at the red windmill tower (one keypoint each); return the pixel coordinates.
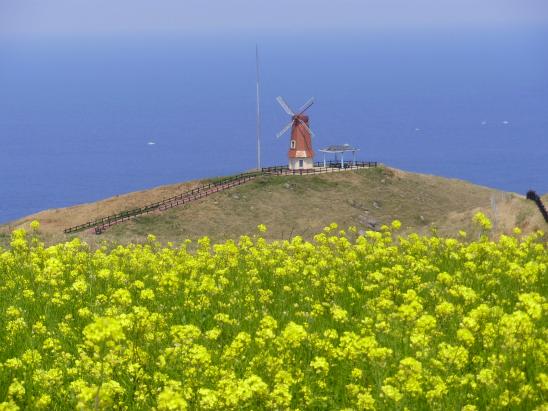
(301, 155)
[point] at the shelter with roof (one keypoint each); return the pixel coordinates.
(339, 149)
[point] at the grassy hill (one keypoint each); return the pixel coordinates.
(301, 205)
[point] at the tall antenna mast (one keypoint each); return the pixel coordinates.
(258, 111)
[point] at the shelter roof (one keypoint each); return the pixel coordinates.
(339, 148)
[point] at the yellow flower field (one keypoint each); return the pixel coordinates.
(347, 321)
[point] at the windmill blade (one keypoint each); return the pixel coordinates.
(308, 128)
(284, 130)
(285, 106)
(306, 106)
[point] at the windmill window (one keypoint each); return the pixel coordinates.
(292, 143)
(300, 163)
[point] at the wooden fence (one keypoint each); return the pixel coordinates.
(202, 191)
(205, 190)
(331, 167)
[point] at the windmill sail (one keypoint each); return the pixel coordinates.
(285, 106)
(284, 130)
(306, 105)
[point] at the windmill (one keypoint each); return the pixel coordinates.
(300, 152)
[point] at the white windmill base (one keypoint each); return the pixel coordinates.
(305, 163)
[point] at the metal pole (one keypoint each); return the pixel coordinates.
(258, 110)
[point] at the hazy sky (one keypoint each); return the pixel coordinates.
(38, 17)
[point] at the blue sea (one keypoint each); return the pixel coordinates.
(87, 118)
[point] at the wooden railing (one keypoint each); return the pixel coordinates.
(185, 197)
(330, 167)
(205, 190)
